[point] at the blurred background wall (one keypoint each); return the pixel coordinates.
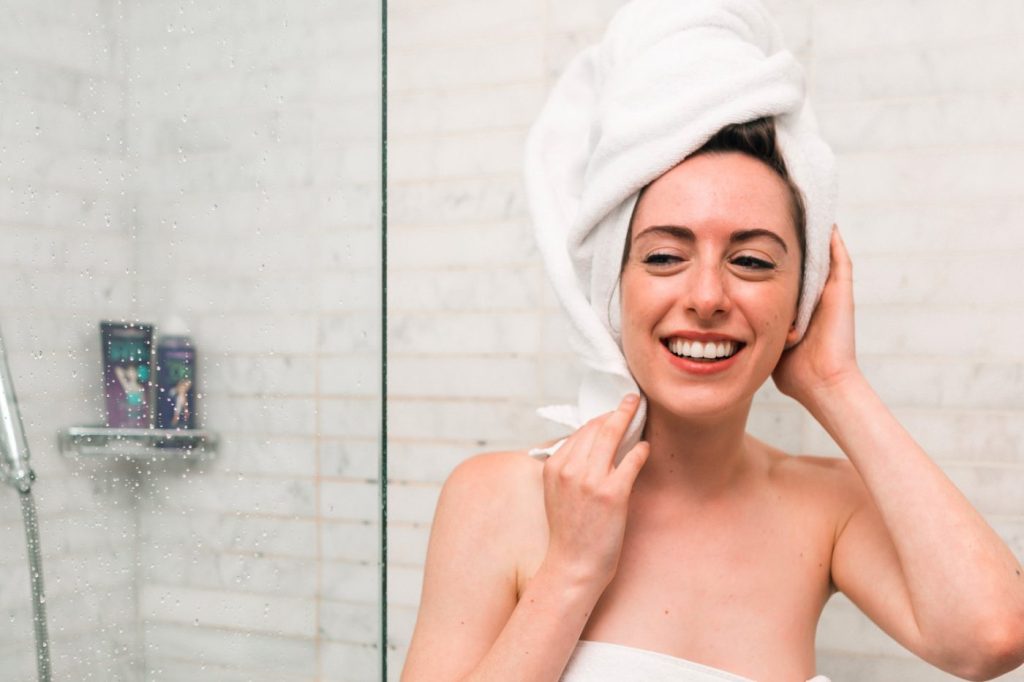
(920, 101)
(64, 253)
(219, 161)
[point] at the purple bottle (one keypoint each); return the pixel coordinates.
(175, 378)
(127, 349)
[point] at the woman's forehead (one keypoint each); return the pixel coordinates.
(718, 191)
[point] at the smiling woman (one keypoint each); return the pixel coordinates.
(659, 539)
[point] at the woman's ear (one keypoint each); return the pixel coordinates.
(792, 336)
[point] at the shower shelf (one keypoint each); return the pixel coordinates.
(148, 444)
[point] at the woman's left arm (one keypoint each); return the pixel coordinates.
(914, 555)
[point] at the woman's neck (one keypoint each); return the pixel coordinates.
(697, 458)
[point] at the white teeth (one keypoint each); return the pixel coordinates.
(698, 349)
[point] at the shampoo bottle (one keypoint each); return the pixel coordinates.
(175, 377)
(127, 349)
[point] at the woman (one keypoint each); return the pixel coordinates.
(701, 552)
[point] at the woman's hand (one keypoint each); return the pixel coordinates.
(586, 497)
(826, 356)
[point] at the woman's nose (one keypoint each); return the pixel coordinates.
(708, 296)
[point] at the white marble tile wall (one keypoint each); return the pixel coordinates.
(64, 248)
(919, 100)
(470, 321)
(253, 135)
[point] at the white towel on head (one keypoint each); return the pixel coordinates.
(667, 76)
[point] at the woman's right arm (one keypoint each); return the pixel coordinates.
(470, 625)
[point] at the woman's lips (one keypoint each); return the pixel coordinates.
(702, 367)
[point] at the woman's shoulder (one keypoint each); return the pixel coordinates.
(836, 473)
(802, 467)
(494, 466)
(495, 500)
(824, 481)
(819, 466)
(497, 479)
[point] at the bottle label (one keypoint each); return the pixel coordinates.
(126, 373)
(175, 389)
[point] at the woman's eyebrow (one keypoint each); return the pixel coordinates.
(686, 234)
(744, 235)
(677, 231)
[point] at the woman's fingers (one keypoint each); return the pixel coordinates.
(572, 457)
(586, 500)
(632, 463)
(592, 448)
(839, 290)
(608, 438)
(842, 266)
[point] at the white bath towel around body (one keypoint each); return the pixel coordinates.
(606, 662)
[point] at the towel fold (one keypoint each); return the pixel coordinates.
(593, 661)
(665, 78)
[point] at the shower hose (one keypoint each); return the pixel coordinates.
(35, 569)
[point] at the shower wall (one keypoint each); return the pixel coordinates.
(218, 162)
(920, 106)
(473, 338)
(64, 256)
(253, 132)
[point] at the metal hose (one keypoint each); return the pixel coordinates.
(14, 469)
(35, 567)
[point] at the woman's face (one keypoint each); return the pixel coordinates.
(710, 288)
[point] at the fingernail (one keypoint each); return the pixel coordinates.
(631, 399)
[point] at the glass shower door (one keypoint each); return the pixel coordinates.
(212, 169)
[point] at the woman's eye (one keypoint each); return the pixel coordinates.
(661, 259)
(753, 263)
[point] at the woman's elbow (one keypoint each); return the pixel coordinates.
(999, 648)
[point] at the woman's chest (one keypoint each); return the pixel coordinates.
(733, 588)
(768, 575)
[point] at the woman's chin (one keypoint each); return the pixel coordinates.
(700, 405)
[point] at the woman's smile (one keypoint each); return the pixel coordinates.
(704, 365)
(700, 353)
